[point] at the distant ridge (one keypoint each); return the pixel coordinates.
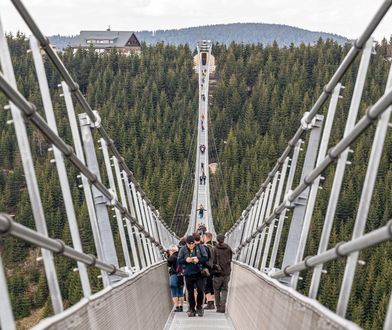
(227, 33)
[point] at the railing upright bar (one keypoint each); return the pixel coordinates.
(388, 316)
(60, 166)
(146, 223)
(315, 185)
(301, 200)
(120, 184)
(100, 200)
(252, 221)
(152, 230)
(258, 237)
(282, 215)
(29, 171)
(86, 186)
(141, 263)
(364, 204)
(261, 234)
(112, 185)
(138, 217)
(7, 320)
(270, 230)
(139, 212)
(282, 178)
(341, 164)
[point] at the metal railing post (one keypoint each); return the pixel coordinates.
(120, 184)
(141, 219)
(257, 239)
(315, 185)
(7, 320)
(147, 224)
(282, 177)
(388, 316)
(282, 216)
(252, 220)
(30, 176)
(341, 165)
(60, 166)
(100, 200)
(364, 204)
(261, 235)
(300, 202)
(112, 185)
(133, 213)
(86, 186)
(268, 213)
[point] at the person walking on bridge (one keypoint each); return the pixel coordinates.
(208, 288)
(221, 272)
(201, 210)
(192, 258)
(176, 279)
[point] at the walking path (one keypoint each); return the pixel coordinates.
(210, 321)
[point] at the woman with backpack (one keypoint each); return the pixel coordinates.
(176, 279)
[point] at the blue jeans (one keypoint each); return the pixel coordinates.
(176, 286)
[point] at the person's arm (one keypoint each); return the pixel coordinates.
(203, 254)
(181, 257)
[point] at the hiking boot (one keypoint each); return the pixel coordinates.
(191, 313)
(220, 309)
(210, 305)
(200, 311)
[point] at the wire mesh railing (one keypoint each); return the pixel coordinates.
(272, 233)
(138, 236)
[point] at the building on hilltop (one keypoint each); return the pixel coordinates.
(125, 42)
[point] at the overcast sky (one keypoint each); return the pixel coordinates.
(68, 17)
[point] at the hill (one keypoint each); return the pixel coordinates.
(246, 33)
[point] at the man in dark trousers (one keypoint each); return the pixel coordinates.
(192, 258)
(221, 272)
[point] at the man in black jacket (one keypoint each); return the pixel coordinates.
(222, 269)
(192, 258)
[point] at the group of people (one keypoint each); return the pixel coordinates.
(204, 267)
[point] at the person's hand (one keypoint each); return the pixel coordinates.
(195, 260)
(189, 260)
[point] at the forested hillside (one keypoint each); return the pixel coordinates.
(148, 105)
(249, 33)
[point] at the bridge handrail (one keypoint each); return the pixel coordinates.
(327, 91)
(31, 114)
(340, 250)
(10, 227)
(371, 115)
(74, 88)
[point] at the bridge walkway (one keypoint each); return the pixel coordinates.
(210, 321)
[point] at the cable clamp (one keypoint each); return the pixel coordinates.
(304, 122)
(97, 121)
(113, 199)
(287, 203)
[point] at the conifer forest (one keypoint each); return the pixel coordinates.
(148, 105)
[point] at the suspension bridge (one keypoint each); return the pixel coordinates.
(135, 294)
